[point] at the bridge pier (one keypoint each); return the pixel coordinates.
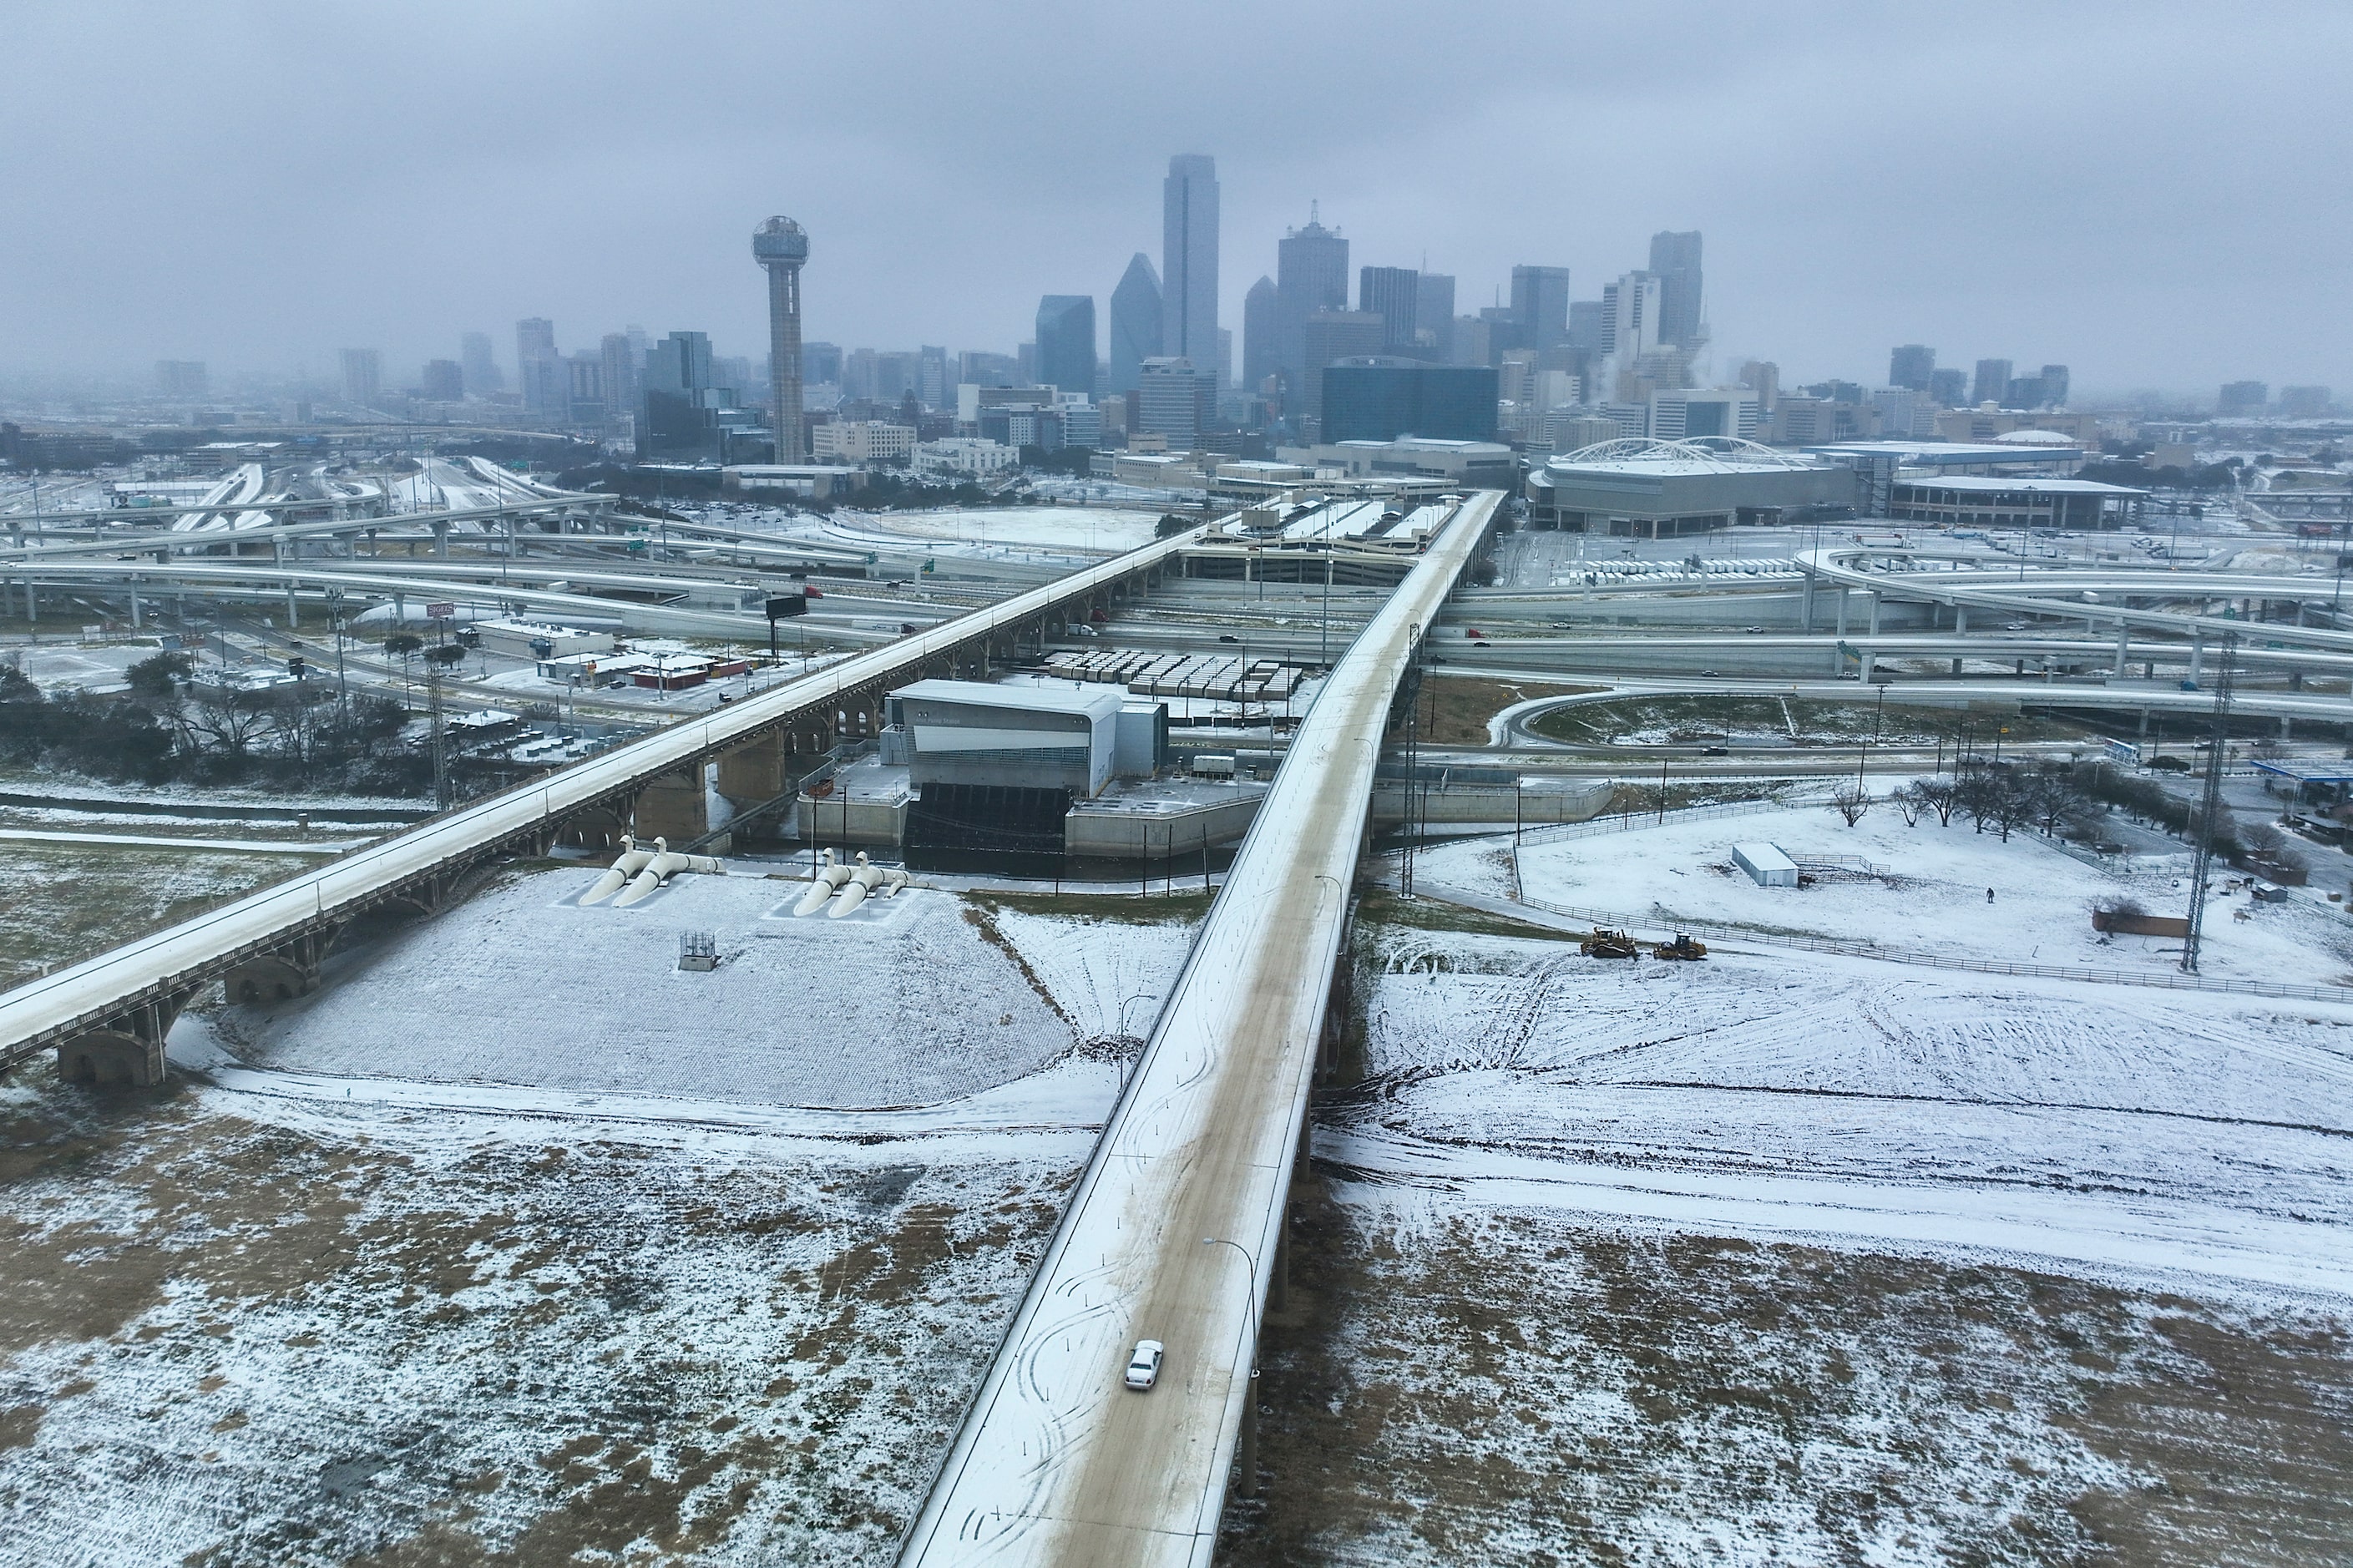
(600, 828)
(2124, 635)
(125, 1050)
(2197, 655)
(280, 976)
(672, 805)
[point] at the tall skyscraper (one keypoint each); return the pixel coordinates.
(443, 382)
(1992, 380)
(619, 379)
(1911, 365)
(479, 365)
(1393, 293)
(1189, 261)
(1260, 315)
(1311, 275)
(539, 369)
(1540, 304)
(1433, 312)
(363, 375)
(1135, 328)
(1066, 342)
(180, 377)
(1629, 317)
(1674, 260)
(1331, 336)
(1947, 387)
(2054, 385)
(780, 247)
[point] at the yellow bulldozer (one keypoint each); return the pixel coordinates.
(1607, 943)
(1682, 948)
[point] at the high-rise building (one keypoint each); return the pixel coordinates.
(1674, 261)
(587, 398)
(2241, 397)
(932, 387)
(821, 365)
(1540, 305)
(1947, 387)
(1262, 317)
(1311, 275)
(539, 371)
(180, 377)
(1189, 261)
(1909, 367)
(1174, 400)
(1629, 317)
(2054, 386)
(1992, 380)
(1394, 294)
(977, 368)
(1066, 342)
(1434, 313)
(443, 382)
(1589, 328)
(619, 380)
(479, 365)
(363, 375)
(2294, 402)
(1135, 323)
(1331, 336)
(1762, 377)
(1384, 397)
(781, 248)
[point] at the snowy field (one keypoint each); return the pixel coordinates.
(1048, 527)
(538, 1258)
(1932, 899)
(1787, 1257)
(910, 1001)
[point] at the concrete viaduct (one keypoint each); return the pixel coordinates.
(107, 1016)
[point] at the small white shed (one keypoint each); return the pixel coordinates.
(1765, 864)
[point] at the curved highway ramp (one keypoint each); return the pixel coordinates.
(1174, 1225)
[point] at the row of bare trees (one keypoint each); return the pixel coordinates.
(2062, 799)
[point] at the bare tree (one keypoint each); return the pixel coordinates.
(2050, 796)
(1850, 803)
(1940, 795)
(1907, 801)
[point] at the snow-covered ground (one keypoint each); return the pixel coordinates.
(1932, 899)
(907, 1001)
(589, 1281)
(1053, 527)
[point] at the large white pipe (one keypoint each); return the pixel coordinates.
(821, 886)
(863, 882)
(632, 861)
(660, 869)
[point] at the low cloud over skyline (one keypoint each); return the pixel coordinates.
(2149, 194)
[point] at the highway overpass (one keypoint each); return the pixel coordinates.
(1173, 1231)
(107, 1016)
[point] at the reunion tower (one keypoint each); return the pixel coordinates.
(779, 246)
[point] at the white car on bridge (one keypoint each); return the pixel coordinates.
(1144, 1364)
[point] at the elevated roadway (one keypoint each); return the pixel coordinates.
(1056, 1463)
(107, 1016)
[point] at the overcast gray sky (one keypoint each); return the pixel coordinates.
(2153, 194)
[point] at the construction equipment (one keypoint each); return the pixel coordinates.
(1607, 943)
(1681, 950)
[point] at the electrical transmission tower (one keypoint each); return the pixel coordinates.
(2210, 810)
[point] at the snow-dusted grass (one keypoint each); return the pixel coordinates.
(67, 901)
(1934, 901)
(308, 1343)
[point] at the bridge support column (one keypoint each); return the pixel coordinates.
(1247, 1482)
(1841, 609)
(280, 976)
(135, 622)
(2197, 655)
(1960, 619)
(2124, 640)
(672, 805)
(597, 829)
(1869, 659)
(441, 540)
(1874, 613)
(126, 1050)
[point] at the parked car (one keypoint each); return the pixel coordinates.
(1144, 1364)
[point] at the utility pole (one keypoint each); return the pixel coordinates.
(2210, 809)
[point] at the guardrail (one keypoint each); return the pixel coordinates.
(2157, 980)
